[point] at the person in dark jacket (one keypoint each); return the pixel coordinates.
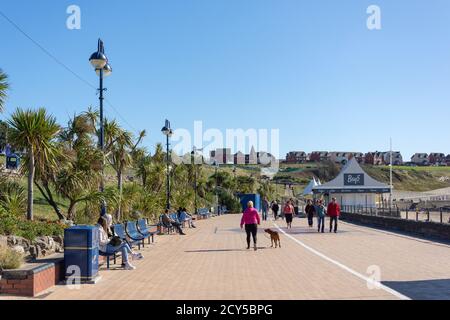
(275, 208)
(310, 211)
(333, 211)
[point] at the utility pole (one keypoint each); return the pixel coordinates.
(390, 173)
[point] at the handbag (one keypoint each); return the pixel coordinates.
(115, 241)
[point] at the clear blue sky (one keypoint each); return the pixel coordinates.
(310, 68)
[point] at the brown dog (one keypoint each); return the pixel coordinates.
(274, 237)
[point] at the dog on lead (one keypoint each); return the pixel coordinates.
(274, 238)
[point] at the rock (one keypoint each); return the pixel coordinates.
(35, 251)
(19, 249)
(12, 241)
(59, 240)
(3, 241)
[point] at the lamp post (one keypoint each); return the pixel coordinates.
(167, 131)
(193, 153)
(103, 69)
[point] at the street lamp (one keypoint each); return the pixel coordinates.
(216, 165)
(194, 153)
(103, 69)
(167, 131)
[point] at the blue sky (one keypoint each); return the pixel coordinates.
(309, 68)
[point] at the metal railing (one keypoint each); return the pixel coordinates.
(437, 215)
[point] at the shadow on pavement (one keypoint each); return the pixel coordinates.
(422, 289)
(223, 250)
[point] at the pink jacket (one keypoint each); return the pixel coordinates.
(250, 216)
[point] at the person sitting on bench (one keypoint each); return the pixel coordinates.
(168, 221)
(105, 245)
(183, 215)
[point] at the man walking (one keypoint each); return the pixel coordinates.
(275, 208)
(265, 208)
(333, 211)
(310, 211)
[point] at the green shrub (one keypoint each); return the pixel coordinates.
(9, 258)
(11, 225)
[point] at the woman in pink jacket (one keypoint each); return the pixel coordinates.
(250, 219)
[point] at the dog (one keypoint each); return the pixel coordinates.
(274, 237)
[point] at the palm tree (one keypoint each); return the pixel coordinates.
(3, 88)
(34, 131)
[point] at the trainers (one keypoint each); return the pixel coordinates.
(129, 266)
(137, 256)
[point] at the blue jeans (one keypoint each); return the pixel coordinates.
(264, 214)
(321, 223)
(124, 248)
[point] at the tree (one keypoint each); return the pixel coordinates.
(35, 131)
(4, 86)
(119, 149)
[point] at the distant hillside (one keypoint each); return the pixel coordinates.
(404, 178)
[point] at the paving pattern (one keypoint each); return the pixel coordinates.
(211, 262)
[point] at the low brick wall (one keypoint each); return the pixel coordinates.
(425, 229)
(33, 278)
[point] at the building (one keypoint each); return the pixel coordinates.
(397, 159)
(437, 158)
(221, 156)
(447, 160)
(319, 156)
(262, 158)
(420, 159)
(296, 157)
(343, 157)
(353, 187)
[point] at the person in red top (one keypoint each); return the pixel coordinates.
(288, 211)
(250, 218)
(333, 211)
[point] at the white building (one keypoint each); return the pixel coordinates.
(353, 187)
(420, 159)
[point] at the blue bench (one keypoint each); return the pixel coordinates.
(119, 230)
(108, 256)
(165, 226)
(134, 234)
(144, 229)
(203, 213)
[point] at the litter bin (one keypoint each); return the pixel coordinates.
(12, 162)
(81, 253)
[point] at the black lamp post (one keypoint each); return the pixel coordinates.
(194, 153)
(167, 131)
(103, 69)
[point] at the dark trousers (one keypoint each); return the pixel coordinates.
(275, 215)
(335, 219)
(177, 226)
(251, 229)
(310, 219)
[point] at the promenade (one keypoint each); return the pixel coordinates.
(211, 262)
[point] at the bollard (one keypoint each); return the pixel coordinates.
(417, 215)
(440, 213)
(428, 215)
(407, 214)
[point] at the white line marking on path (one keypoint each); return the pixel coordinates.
(344, 267)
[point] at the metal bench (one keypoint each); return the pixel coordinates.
(203, 213)
(119, 230)
(165, 226)
(145, 230)
(134, 234)
(108, 255)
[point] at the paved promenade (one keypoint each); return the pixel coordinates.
(211, 262)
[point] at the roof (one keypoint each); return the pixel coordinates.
(309, 187)
(352, 179)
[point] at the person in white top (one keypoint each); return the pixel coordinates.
(104, 224)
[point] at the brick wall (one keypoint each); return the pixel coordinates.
(32, 282)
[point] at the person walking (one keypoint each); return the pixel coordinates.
(288, 211)
(310, 210)
(250, 218)
(333, 211)
(265, 208)
(275, 209)
(321, 211)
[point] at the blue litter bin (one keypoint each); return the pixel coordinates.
(12, 161)
(81, 253)
(256, 198)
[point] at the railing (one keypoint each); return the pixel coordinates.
(438, 215)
